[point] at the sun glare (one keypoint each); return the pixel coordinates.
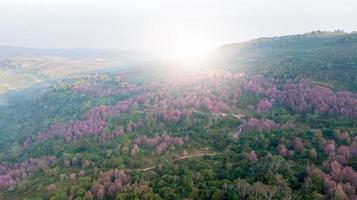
(186, 49)
(187, 45)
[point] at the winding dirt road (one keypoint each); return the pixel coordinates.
(239, 129)
(174, 160)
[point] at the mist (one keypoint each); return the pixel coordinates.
(158, 25)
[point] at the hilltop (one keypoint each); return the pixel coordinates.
(325, 57)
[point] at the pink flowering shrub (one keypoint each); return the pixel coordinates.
(11, 175)
(110, 183)
(160, 143)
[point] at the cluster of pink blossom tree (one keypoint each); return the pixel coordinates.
(261, 125)
(304, 97)
(11, 175)
(339, 179)
(341, 153)
(216, 91)
(213, 92)
(259, 85)
(296, 144)
(171, 115)
(212, 105)
(340, 182)
(119, 131)
(264, 105)
(109, 184)
(160, 143)
(92, 124)
(253, 156)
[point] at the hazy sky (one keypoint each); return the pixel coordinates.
(157, 24)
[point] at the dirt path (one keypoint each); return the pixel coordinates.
(239, 129)
(240, 117)
(194, 155)
(174, 160)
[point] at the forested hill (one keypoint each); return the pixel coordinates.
(260, 124)
(328, 57)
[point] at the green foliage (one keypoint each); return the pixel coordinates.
(59, 195)
(326, 57)
(230, 173)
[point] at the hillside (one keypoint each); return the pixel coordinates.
(272, 118)
(325, 57)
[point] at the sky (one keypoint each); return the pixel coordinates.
(164, 24)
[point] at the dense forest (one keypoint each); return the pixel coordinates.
(273, 118)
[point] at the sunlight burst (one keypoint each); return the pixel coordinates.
(187, 45)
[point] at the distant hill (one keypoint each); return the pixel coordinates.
(76, 53)
(22, 67)
(330, 57)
